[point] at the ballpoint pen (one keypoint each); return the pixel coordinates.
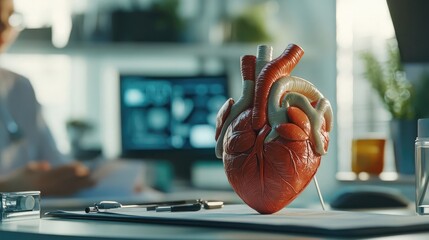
(180, 208)
(173, 206)
(150, 206)
(190, 207)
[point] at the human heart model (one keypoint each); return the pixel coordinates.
(271, 140)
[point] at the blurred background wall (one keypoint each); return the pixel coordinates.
(73, 51)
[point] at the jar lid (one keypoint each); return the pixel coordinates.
(423, 128)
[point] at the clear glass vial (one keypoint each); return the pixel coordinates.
(422, 167)
(19, 205)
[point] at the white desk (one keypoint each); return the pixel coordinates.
(56, 228)
(50, 228)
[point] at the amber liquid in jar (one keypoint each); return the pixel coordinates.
(368, 156)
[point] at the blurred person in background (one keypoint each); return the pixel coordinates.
(29, 158)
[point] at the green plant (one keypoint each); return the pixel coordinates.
(401, 98)
(249, 26)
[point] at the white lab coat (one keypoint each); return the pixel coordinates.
(18, 99)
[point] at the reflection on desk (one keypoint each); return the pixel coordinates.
(48, 229)
(53, 228)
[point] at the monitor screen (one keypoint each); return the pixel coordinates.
(170, 117)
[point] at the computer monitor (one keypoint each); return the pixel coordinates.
(170, 118)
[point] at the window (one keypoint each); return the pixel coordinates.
(361, 26)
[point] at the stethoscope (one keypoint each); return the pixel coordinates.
(13, 130)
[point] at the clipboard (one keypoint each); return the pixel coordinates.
(288, 220)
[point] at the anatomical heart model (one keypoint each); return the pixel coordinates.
(271, 140)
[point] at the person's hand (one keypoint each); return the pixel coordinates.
(62, 181)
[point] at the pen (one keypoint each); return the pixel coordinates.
(180, 208)
(172, 206)
(105, 205)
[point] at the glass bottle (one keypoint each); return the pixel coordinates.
(422, 167)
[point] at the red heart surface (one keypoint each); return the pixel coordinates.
(271, 140)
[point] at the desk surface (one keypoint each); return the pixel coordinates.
(54, 228)
(49, 228)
